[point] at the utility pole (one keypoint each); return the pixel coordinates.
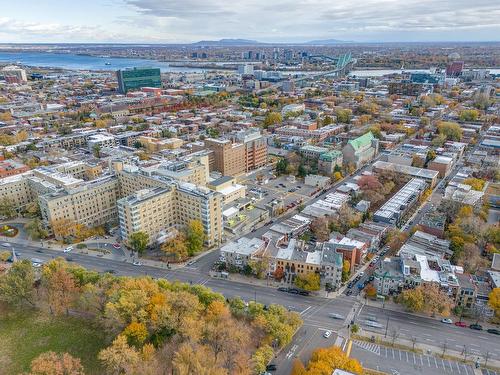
(255, 296)
(386, 326)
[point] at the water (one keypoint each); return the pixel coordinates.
(383, 72)
(80, 62)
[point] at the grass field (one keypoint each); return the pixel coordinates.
(26, 334)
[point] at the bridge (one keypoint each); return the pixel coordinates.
(343, 64)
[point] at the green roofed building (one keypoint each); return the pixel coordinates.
(329, 160)
(136, 78)
(360, 150)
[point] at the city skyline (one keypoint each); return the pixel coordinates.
(159, 21)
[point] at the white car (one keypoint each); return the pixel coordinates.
(327, 334)
(5, 244)
(36, 265)
(68, 249)
(335, 316)
(446, 321)
(137, 263)
(369, 323)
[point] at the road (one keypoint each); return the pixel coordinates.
(430, 331)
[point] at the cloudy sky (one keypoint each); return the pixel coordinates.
(173, 21)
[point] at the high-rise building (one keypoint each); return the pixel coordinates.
(246, 69)
(255, 148)
(454, 69)
(228, 157)
(136, 78)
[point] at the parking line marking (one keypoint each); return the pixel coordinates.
(393, 356)
(442, 362)
(429, 361)
(407, 357)
(414, 360)
(466, 369)
(451, 368)
(385, 351)
(303, 311)
(421, 361)
(435, 362)
(458, 367)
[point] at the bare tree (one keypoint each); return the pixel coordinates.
(414, 342)
(486, 356)
(465, 352)
(394, 335)
(445, 346)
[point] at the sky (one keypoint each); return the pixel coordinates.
(184, 21)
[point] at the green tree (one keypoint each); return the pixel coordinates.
(195, 236)
(139, 241)
(327, 120)
(272, 118)
(475, 183)
(96, 150)
(7, 208)
(343, 116)
(17, 285)
(281, 166)
(469, 115)
(310, 281)
(451, 130)
(35, 230)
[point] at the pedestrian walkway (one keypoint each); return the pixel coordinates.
(371, 347)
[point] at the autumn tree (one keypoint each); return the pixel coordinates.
(17, 285)
(320, 228)
(324, 360)
(370, 291)
(343, 115)
(51, 363)
(119, 358)
(469, 115)
(298, 368)
(371, 187)
(139, 241)
(34, 228)
(177, 247)
(451, 130)
(475, 183)
(429, 298)
(195, 236)
(494, 302)
(136, 333)
(261, 358)
(59, 285)
(309, 281)
(7, 208)
(272, 118)
(346, 269)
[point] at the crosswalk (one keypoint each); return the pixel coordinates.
(369, 346)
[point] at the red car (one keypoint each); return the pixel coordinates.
(117, 245)
(460, 324)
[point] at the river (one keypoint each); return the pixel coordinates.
(84, 62)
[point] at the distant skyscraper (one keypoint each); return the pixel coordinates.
(454, 69)
(136, 78)
(288, 54)
(246, 69)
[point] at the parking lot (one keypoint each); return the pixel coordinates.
(395, 361)
(292, 191)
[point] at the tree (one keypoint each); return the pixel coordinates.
(469, 115)
(281, 166)
(346, 270)
(60, 287)
(96, 150)
(429, 298)
(438, 140)
(195, 236)
(451, 130)
(176, 246)
(475, 183)
(372, 188)
(370, 291)
(35, 230)
(320, 228)
(413, 299)
(51, 363)
(327, 120)
(17, 285)
(261, 358)
(337, 176)
(343, 115)
(7, 208)
(139, 241)
(309, 281)
(136, 333)
(494, 301)
(119, 358)
(298, 368)
(325, 360)
(272, 118)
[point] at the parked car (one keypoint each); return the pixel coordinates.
(303, 292)
(446, 321)
(327, 334)
(349, 292)
(493, 331)
(476, 327)
(116, 245)
(460, 324)
(283, 289)
(110, 271)
(68, 249)
(370, 323)
(293, 291)
(137, 263)
(271, 367)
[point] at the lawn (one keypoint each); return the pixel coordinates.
(26, 334)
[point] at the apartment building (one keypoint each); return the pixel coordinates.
(228, 158)
(11, 168)
(101, 140)
(156, 210)
(255, 148)
(91, 203)
(80, 170)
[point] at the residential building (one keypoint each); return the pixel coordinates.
(100, 141)
(240, 252)
(255, 148)
(137, 78)
(230, 190)
(11, 167)
(328, 161)
(361, 150)
(393, 211)
(228, 158)
(442, 164)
